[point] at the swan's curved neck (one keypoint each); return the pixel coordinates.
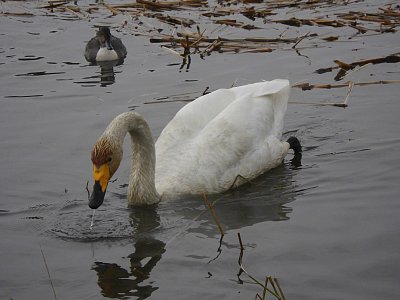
(141, 188)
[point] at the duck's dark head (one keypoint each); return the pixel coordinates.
(104, 37)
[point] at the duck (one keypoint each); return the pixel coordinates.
(215, 143)
(104, 47)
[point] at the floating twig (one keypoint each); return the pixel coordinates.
(219, 250)
(355, 70)
(342, 105)
(75, 12)
(308, 86)
(300, 39)
(351, 85)
(344, 67)
(112, 9)
(172, 51)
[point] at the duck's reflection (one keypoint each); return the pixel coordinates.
(118, 282)
(107, 74)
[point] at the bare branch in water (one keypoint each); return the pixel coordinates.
(308, 86)
(242, 270)
(211, 208)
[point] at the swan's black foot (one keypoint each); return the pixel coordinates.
(294, 144)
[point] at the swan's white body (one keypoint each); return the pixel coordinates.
(210, 145)
(221, 135)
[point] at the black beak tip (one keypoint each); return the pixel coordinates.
(94, 204)
(97, 197)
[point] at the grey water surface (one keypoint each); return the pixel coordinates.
(327, 228)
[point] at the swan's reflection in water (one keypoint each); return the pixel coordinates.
(265, 199)
(118, 282)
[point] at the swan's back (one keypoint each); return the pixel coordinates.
(221, 135)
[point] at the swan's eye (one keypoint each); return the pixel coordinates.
(109, 159)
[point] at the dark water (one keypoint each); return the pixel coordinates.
(328, 229)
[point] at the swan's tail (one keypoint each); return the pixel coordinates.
(294, 144)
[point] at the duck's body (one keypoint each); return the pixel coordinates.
(104, 47)
(218, 141)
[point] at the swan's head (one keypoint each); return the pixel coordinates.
(104, 37)
(106, 157)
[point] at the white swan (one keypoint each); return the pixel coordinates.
(104, 47)
(218, 141)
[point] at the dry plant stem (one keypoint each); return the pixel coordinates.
(279, 288)
(87, 189)
(78, 15)
(48, 273)
(219, 250)
(168, 101)
(211, 47)
(343, 105)
(236, 179)
(169, 50)
(185, 228)
(113, 10)
(270, 279)
(351, 85)
(392, 58)
(300, 39)
(356, 70)
(308, 86)
(211, 208)
(242, 270)
(264, 290)
(275, 285)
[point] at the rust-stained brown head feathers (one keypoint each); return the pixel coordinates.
(102, 152)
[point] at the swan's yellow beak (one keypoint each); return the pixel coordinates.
(101, 176)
